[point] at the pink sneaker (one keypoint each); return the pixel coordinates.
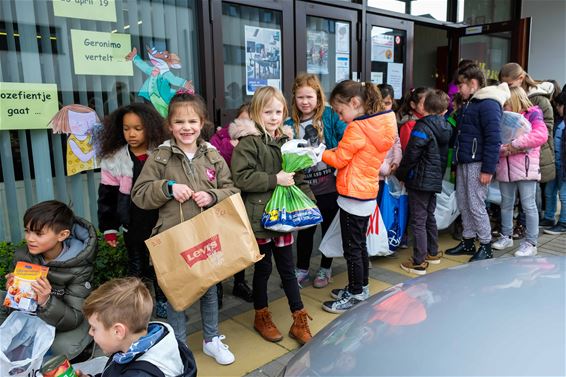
(302, 277)
(323, 277)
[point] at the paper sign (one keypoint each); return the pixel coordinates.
(395, 78)
(26, 105)
(97, 10)
(377, 78)
(382, 48)
(342, 67)
(96, 53)
(343, 37)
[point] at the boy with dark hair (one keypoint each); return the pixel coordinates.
(55, 238)
(422, 169)
(118, 313)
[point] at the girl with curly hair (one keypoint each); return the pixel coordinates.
(129, 135)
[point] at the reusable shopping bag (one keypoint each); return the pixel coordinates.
(193, 256)
(513, 125)
(394, 207)
(446, 206)
(377, 242)
(289, 208)
(25, 339)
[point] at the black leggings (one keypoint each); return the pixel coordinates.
(328, 208)
(262, 270)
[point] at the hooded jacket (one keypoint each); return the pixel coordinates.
(479, 134)
(255, 163)
(70, 276)
(207, 171)
(524, 166)
(425, 158)
(166, 358)
(406, 125)
(117, 174)
(360, 153)
(540, 96)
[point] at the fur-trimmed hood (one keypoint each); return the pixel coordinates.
(544, 88)
(246, 127)
(499, 93)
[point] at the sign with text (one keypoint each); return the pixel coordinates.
(96, 53)
(26, 105)
(96, 10)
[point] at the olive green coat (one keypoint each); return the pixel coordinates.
(540, 96)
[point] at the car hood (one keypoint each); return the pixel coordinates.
(498, 317)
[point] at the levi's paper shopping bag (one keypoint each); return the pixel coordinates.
(193, 256)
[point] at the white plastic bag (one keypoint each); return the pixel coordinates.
(25, 339)
(377, 242)
(493, 193)
(446, 206)
(513, 125)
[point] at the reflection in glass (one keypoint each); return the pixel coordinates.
(328, 51)
(490, 51)
(435, 9)
(477, 12)
(244, 63)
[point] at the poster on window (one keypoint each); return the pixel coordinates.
(395, 78)
(263, 58)
(343, 37)
(342, 67)
(317, 52)
(382, 48)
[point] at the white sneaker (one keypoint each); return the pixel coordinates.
(215, 348)
(526, 250)
(503, 242)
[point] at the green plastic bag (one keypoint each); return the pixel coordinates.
(289, 208)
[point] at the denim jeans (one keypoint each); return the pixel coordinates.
(353, 230)
(208, 313)
(527, 193)
(552, 189)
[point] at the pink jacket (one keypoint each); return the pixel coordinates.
(524, 166)
(394, 156)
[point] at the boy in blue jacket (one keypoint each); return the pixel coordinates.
(422, 168)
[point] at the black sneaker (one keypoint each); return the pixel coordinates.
(243, 291)
(559, 228)
(546, 223)
(347, 302)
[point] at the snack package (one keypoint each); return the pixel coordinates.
(20, 295)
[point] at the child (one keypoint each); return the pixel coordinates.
(422, 169)
(189, 171)
(130, 133)
(558, 185)
(477, 154)
(518, 169)
(55, 238)
(225, 144)
(118, 313)
(393, 157)
(369, 136)
(410, 111)
(256, 168)
(317, 123)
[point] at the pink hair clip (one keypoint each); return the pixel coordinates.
(185, 91)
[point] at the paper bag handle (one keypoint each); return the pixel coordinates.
(181, 212)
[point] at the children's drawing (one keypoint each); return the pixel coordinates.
(79, 123)
(158, 87)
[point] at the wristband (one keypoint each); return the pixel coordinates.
(170, 188)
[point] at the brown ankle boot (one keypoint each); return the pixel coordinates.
(300, 329)
(265, 326)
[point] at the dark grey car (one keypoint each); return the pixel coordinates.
(501, 317)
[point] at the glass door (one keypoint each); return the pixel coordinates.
(252, 47)
(492, 45)
(326, 43)
(389, 44)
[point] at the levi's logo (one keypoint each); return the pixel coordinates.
(209, 248)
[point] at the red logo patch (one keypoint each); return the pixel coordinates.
(202, 251)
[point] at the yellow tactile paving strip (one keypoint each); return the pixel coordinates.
(252, 351)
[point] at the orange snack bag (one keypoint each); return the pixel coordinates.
(20, 295)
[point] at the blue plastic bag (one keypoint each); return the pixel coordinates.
(394, 208)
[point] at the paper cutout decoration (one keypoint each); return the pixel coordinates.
(79, 123)
(158, 87)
